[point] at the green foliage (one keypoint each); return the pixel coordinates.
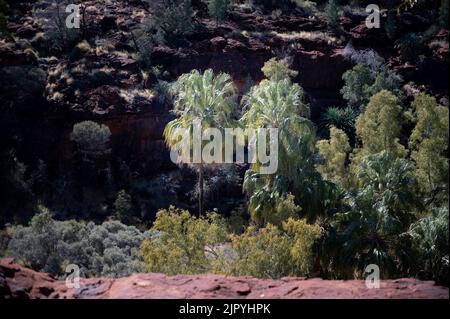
(341, 118)
(379, 126)
(277, 70)
(372, 230)
(280, 104)
(390, 25)
(205, 98)
(218, 9)
(145, 37)
(172, 18)
(91, 138)
(182, 243)
(443, 13)
(163, 91)
(123, 208)
(357, 83)
(362, 82)
(430, 240)
(390, 187)
(271, 252)
(386, 79)
(334, 152)
(331, 12)
(109, 249)
(410, 46)
(429, 144)
(309, 7)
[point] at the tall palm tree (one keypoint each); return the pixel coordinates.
(205, 99)
(279, 104)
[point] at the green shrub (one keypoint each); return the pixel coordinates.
(331, 12)
(123, 208)
(341, 118)
(218, 9)
(271, 252)
(182, 243)
(91, 138)
(172, 18)
(372, 229)
(362, 82)
(430, 239)
(277, 70)
(309, 7)
(109, 249)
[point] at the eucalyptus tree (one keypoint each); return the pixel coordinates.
(202, 99)
(429, 144)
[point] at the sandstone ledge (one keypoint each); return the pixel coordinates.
(19, 282)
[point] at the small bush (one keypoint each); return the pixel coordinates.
(309, 7)
(331, 12)
(182, 243)
(172, 18)
(218, 9)
(109, 249)
(91, 138)
(271, 252)
(341, 118)
(363, 81)
(277, 70)
(123, 208)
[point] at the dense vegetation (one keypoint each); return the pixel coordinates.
(365, 183)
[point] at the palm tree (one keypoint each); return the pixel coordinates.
(205, 99)
(373, 228)
(279, 104)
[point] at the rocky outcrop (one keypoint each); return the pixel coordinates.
(103, 81)
(19, 282)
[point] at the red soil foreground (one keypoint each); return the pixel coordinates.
(19, 282)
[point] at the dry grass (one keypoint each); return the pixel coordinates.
(307, 35)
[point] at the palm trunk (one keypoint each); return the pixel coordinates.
(200, 190)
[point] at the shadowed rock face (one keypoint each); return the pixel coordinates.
(100, 83)
(19, 282)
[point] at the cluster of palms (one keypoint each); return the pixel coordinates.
(367, 203)
(274, 103)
